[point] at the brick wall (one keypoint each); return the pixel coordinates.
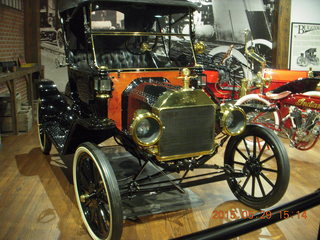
(12, 42)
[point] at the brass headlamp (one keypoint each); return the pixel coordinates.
(146, 128)
(233, 120)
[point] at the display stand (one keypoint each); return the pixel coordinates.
(10, 79)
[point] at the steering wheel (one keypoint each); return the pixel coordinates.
(137, 45)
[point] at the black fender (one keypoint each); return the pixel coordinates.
(65, 125)
(52, 103)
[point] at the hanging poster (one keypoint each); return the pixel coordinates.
(305, 46)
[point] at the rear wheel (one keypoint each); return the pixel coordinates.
(265, 163)
(235, 74)
(44, 140)
(97, 193)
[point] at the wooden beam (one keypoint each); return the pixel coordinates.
(32, 31)
(281, 34)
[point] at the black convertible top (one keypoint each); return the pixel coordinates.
(68, 4)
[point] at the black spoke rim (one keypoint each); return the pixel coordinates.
(253, 185)
(254, 146)
(253, 167)
(240, 163)
(267, 179)
(261, 186)
(246, 145)
(267, 159)
(262, 150)
(269, 170)
(242, 154)
(245, 183)
(95, 206)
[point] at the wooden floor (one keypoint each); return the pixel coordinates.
(37, 202)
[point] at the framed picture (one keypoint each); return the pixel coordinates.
(305, 46)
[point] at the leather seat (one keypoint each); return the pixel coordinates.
(277, 96)
(80, 59)
(123, 59)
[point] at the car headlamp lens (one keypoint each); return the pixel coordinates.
(233, 120)
(143, 128)
(229, 120)
(146, 129)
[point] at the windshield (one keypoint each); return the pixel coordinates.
(134, 36)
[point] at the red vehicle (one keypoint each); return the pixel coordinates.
(297, 111)
(231, 79)
(227, 91)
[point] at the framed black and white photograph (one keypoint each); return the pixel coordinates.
(16, 4)
(305, 46)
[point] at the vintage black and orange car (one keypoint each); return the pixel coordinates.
(133, 76)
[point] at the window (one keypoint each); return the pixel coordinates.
(17, 4)
(107, 20)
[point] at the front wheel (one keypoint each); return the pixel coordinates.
(265, 163)
(44, 140)
(97, 193)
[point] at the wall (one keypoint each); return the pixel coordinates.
(305, 12)
(52, 48)
(12, 41)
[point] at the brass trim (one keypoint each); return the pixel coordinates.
(103, 96)
(199, 47)
(188, 155)
(226, 109)
(139, 115)
(251, 53)
(186, 79)
(138, 34)
(310, 73)
(144, 47)
(244, 87)
(141, 69)
(92, 33)
(183, 99)
(158, 110)
(190, 99)
(84, 197)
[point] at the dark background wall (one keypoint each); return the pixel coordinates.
(12, 41)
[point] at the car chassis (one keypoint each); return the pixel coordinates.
(125, 82)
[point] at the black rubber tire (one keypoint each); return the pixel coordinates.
(93, 175)
(44, 140)
(255, 168)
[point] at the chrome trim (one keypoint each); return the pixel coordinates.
(109, 33)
